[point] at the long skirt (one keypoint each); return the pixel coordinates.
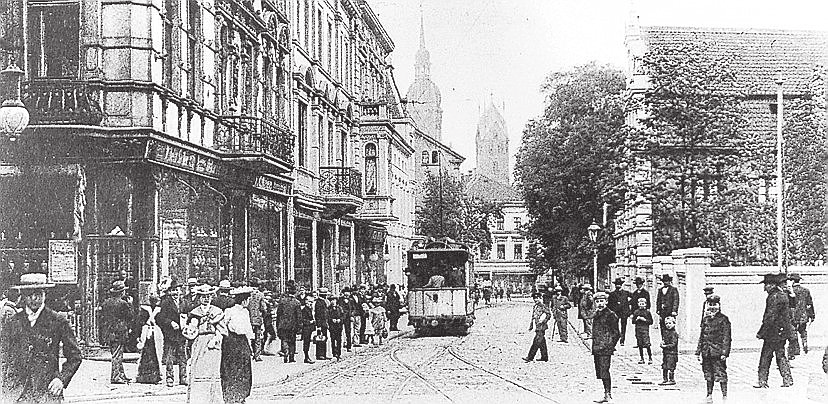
(149, 367)
(205, 381)
(236, 371)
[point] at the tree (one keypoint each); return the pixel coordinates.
(571, 163)
(447, 211)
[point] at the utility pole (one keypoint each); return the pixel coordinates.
(780, 183)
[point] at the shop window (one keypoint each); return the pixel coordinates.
(53, 38)
(371, 169)
(501, 251)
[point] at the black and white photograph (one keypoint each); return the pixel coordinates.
(413, 201)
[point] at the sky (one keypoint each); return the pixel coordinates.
(502, 50)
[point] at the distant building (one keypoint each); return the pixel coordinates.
(507, 263)
(758, 57)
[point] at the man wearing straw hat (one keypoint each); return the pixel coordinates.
(116, 315)
(32, 342)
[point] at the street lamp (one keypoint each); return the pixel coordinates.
(13, 114)
(592, 230)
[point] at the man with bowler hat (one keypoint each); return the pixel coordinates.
(620, 303)
(170, 319)
(640, 292)
(116, 316)
(32, 342)
(667, 301)
(803, 313)
(288, 322)
(775, 330)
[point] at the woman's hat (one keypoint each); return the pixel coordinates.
(242, 290)
(117, 287)
(34, 281)
(203, 290)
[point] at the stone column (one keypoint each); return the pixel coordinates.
(314, 255)
(695, 263)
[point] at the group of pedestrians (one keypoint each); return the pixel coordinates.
(788, 311)
(212, 334)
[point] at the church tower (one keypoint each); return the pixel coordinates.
(493, 145)
(423, 95)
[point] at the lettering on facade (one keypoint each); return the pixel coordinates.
(63, 264)
(182, 158)
(267, 184)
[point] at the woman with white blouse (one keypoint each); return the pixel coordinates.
(236, 368)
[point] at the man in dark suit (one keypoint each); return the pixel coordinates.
(803, 313)
(605, 335)
(169, 320)
(640, 292)
(347, 321)
(116, 316)
(667, 301)
(320, 313)
(619, 302)
(32, 342)
(308, 325)
(288, 322)
(775, 330)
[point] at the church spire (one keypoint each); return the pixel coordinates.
(422, 66)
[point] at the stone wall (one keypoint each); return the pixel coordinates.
(743, 298)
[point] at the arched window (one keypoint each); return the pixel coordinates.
(370, 169)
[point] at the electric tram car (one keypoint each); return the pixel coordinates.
(439, 288)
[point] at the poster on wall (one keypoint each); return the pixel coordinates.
(63, 264)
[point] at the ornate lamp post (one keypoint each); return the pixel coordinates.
(13, 114)
(592, 230)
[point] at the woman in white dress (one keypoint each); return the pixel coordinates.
(205, 323)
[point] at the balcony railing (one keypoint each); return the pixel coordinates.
(340, 181)
(247, 134)
(63, 102)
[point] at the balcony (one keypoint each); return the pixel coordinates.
(256, 143)
(378, 208)
(342, 189)
(374, 111)
(64, 102)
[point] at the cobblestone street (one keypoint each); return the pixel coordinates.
(486, 366)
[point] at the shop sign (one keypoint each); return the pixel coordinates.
(182, 158)
(374, 235)
(63, 264)
(268, 184)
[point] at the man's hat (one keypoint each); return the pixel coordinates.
(558, 288)
(203, 290)
(666, 278)
(714, 299)
(323, 291)
(535, 294)
(638, 280)
(346, 290)
(586, 286)
(708, 290)
(378, 300)
(618, 281)
(600, 295)
(192, 281)
(224, 285)
(774, 278)
(117, 287)
(173, 285)
(34, 281)
(795, 277)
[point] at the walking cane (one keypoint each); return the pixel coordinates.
(554, 328)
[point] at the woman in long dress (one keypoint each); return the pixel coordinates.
(206, 323)
(151, 343)
(236, 370)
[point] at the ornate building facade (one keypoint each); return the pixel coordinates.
(227, 140)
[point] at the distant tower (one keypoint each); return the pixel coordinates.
(492, 145)
(423, 95)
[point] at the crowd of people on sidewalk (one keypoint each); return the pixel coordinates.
(211, 333)
(789, 309)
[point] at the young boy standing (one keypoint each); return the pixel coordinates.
(669, 352)
(540, 320)
(714, 346)
(605, 335)
(643, 319)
